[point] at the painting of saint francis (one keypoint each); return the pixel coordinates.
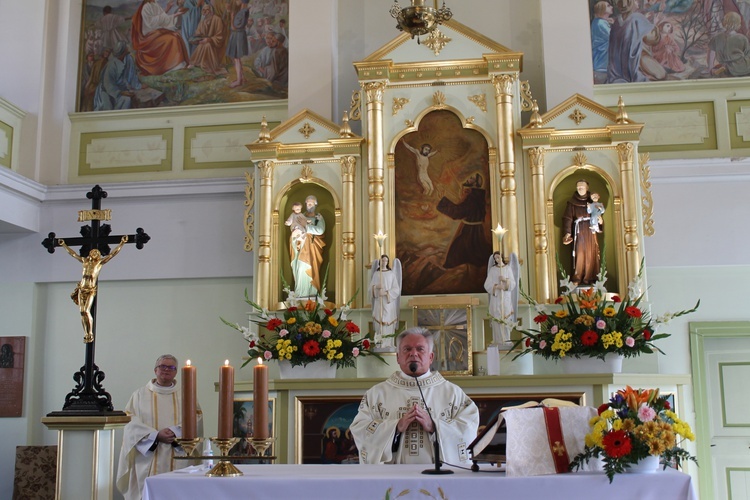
(443, 216)
(149, 53)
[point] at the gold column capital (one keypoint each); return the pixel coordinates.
(625, 151)
(348, 165)
(266, 169)
(536, 158)
(374, 91)
(503, 83)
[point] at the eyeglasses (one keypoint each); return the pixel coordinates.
(167, 368)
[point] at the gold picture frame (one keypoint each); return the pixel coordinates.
(449, 319)
(315, 418)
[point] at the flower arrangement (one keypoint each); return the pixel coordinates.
(632, 426)
(594, 323)
(306, 331)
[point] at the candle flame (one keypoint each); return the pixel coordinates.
(260, 360)
(187, 363)
(226, 362)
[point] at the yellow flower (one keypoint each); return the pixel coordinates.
(607, 414)
(609, 311)
(339, 355)
(333, 321)
(562, 313)
(291, 321)
(330, 355)
(584, 319)
(337, 343)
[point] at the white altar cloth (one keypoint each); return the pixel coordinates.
(355, 482)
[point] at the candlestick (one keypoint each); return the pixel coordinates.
(226, 400)
(260, 400)
(189, 414)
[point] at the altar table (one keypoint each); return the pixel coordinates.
(333, 482)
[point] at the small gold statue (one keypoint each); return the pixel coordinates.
(85, 291)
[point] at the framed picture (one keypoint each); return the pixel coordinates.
(243, 428)
(12, 360)
(449, 320)
(164, 53)
(322, 429)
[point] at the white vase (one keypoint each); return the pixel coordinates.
(612, 363)
(646, 465)
(316, 369)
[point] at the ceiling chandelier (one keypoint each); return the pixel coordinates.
(419, 19)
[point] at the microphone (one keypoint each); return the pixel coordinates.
(437, 470)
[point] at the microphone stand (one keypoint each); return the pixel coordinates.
(436, 444)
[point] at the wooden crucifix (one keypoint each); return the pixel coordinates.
(89, 396)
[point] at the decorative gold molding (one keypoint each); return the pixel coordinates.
(577, 116)
(527, 100)
(480, 101)
(579, 159)
(438, 99)
(306, 173)
(348, 164)
(249, 212)
(307, 130)
(647, 200)
(436, 41)
(346, 130)
(264, 135)
(398, 104)
(409, 123)
(469, 120)
(355, 106)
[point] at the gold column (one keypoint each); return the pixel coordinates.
(626, 153)
(348, 245)
(376, 167)
(539, 216)
(506, 156)
(263, 273)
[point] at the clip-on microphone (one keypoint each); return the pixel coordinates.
(438, 463)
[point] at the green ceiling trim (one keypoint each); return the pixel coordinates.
(84, 168)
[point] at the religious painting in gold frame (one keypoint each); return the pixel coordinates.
(242, 427)
(442, 193)
(322, 433)
(450, 324)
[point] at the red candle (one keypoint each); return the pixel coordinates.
(189, 414)
(226, 400)
(260, 400)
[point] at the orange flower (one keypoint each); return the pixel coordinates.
(588, 304)
(634, 397)
(310, 305)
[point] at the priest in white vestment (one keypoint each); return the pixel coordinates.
(393, 426)
(149, 438)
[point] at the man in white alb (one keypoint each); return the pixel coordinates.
(393, 426)
(149, 437)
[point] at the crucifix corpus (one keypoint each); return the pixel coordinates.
(89, 397)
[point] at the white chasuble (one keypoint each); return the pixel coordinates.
(151, 409)
(374, 428)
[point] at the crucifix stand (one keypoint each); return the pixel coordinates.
(89, 398)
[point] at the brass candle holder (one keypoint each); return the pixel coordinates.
(260, 445)
(189, 445)
(224, 468)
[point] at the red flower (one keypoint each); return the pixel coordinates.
(616, 444)
(292, 309)
(602, 408)
(311, 348)
(589, 338)
(633, 311)
(667, 406)
(351, 327)
(366, 344)
(558, 300)
(647, 334)
(328, 312)
(252, 344)
(272, 324)
(528, 342)
(616, 299)
(540, 318)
